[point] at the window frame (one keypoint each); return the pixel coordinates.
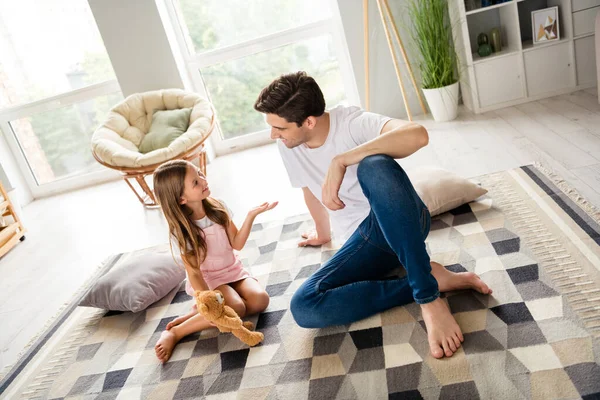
(195, 62)
(66, 99)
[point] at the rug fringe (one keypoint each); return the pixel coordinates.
(550, 253)
(89, 281)
(63, 356)
(570, 191)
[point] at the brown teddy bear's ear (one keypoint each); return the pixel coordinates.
(197, 293)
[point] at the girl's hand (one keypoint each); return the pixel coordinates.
(266, 206)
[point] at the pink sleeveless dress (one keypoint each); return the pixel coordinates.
(221, 265)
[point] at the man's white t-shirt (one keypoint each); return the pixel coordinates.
(349, 127)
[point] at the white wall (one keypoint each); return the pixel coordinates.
(386, 97)
(136, 42)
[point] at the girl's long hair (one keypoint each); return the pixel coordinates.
(169, 181)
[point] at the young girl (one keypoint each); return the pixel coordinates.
(203, 233)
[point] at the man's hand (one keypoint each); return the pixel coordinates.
(331, 186)
(266, 206)
(312, 239)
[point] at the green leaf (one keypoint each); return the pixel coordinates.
(432, 36)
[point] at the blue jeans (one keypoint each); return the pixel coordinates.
(351, 285)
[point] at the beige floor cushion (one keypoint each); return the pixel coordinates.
(442, 190)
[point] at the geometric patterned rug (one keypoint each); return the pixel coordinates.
(537, 337)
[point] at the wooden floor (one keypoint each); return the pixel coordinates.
(69, 235)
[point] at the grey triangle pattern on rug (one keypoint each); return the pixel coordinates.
(514, 346)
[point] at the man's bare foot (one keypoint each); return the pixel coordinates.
(448, 280)
(164, 346)
(443, 333)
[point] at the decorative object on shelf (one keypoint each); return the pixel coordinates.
(386, 14)
(432, 35)
(545, 25)
(482, 38)
(484, 48)
(472, 5)
(496, 40)
(486, 3)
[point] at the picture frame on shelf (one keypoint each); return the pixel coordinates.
(545, 25)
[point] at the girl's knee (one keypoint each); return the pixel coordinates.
(233, 299)
(262, 301)
(238, 306)
(257, 302)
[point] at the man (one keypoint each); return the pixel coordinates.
(344, 161)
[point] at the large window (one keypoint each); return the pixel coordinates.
(216, 24)
(234, 49)
(233, 86)
(56, 143)
(56, 85)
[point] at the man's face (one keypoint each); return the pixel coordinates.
(290, 134)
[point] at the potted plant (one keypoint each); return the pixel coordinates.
(432, 36)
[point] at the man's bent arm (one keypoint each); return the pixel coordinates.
(319, 214)
(398, 139)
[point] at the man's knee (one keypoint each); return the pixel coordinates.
(375, 165)
(302, 309)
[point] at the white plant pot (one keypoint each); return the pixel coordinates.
(443, 102)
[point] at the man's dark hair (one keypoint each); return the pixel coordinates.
(294, 97)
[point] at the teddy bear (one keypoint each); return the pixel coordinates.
(211, 304)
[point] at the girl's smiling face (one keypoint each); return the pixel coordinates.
(195, 186)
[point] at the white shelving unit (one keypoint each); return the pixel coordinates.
(522, 71)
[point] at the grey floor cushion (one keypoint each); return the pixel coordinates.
(137, 280)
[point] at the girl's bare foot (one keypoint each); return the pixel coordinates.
(183, 318)
(448, 280)
(164, 346)
(443, 333)
(179, 320)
